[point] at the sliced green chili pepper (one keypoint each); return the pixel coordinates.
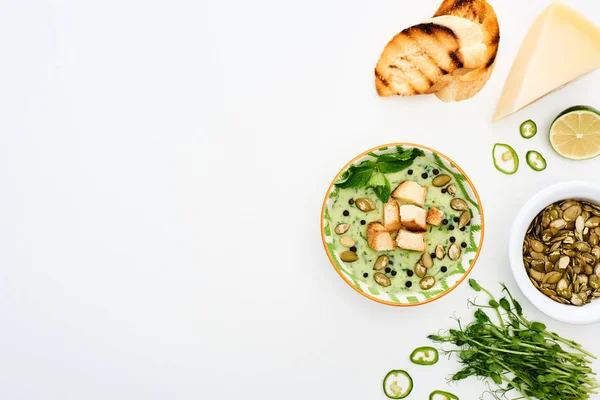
(528, 129)
(425, 355)
(395, 388)
(447, 396)
(505, 158)
(535, 160)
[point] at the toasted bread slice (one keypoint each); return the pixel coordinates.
(410, 192)
(470, 39)
(417, 58)
(463, 84)
(391, 216)
(413, 218)
(435, 216)
(379, 238)
(411, 241)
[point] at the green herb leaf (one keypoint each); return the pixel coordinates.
(473, 283)
(381, 186)
(505, 304)
(389, 163)
(538, 326)
(356, 176)
(493, 304)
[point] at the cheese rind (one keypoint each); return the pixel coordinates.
(561, 46)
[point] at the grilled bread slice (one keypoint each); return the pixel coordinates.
(417, 58)
(463, 84)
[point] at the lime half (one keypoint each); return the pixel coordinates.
(575, 133)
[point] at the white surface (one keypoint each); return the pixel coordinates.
(589, 314)
(162, 167)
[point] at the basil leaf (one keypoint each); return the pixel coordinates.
(390, 162)
(381, 186)
(356, 176)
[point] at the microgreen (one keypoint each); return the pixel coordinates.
(371, 173)
(518, 354)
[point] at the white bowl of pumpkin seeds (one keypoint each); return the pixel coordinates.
(554, 251)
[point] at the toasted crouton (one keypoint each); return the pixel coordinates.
(411, 241)
(413, 218)
(435, 216)
(410, 192)
(391, 216)
(379, 238)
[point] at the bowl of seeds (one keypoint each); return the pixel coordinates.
(554, 251)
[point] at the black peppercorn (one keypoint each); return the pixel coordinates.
(436, 171)
(463, 229)
(455, 219)
(346, 213)
(409, 273)
(424, 175)
(362, 222)
(351, 201)
(387, 270)
(394, 273)
(408, 283)
(444, 269)
(452, 239)
(432, 255)
(353, 248)
(410, 171)
(444, 190)
(463, 245)
(451, 227)
(445, 222)
(365, 275)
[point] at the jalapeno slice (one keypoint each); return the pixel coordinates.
(444, 395)
(535, 160)
(528, 129)
(505, 158)
(397, 384)
(425, 355)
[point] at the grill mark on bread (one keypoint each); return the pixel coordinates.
(381, 78)
(456, 59)
(491, 61)
(433, 30)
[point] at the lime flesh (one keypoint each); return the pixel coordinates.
(575, 133)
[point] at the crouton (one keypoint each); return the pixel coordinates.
(410, 192)
(435, 216)
(379, 238)
(408, 240)
(391, 216)
(413, 218)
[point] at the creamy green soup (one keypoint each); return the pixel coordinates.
(401, 269)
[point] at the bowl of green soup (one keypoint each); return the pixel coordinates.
(402, 224)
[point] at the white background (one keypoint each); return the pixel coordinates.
(162, 168)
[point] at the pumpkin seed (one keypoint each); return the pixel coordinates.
(364, 204)
(420, 270)
(459, 204)
(536, 245)
(381, 262)
(572, 213)
(552, 277)
(342, 228)
(440, 252)
(381, 279)
(441, 180)
(558, 224)
(593, 222)
(427, 282)
(347, 241)
(538, 276)
(451, 189)
(426, 260)
(349, 256)
(464, 219)
(594, 281)
(454, 252)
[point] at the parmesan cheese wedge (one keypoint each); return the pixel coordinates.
(561, 45)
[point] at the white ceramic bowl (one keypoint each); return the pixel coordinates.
(587, 314)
